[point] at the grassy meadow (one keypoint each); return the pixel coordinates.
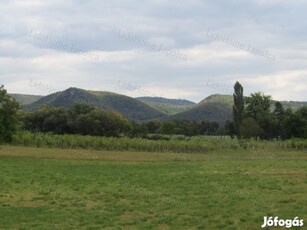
(53, 188)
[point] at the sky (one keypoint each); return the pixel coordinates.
(185, 49)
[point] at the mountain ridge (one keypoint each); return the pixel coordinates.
(215, 107)
(129, 107)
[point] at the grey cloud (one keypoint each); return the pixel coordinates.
(277, 26)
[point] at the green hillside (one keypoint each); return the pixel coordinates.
(228, 100)
(217, 98)
(295, 105)
(217, 112)
(213, 108)
(219, 108)
(25, 99)
(129, 107)
(168, 106)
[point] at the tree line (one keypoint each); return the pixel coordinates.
(87, 120)
(254, 116)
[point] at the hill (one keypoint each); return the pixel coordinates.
(295, 105)
(220, 99)
(228, 100)
(130, 108)
(210, 111)
(167, 106)
(25, 99)
(213, 108)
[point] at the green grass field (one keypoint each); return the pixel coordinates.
(45, 188)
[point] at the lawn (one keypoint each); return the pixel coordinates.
(45, 188)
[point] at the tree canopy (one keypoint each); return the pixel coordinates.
(256, 117)
(8, 116)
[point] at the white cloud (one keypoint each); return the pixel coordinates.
(277, 26)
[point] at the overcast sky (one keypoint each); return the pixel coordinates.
(176, 49)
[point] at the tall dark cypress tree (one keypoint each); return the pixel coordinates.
(238, 107)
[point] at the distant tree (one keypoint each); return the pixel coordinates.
(269, 125)
(258, 105)
(80, 119)
(189, 128)
(154, 126)
(47, 119)
(79, 109)
(249, 128)
(8, 116)
(139, 130)
(168, 127)
(75, 112)
(279, 111)
(302, 112)
(102, 123)
(295, 123)
(238, 107)
(208, 128)
(280, 115)
(229, 128)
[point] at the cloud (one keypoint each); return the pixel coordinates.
(276, 26)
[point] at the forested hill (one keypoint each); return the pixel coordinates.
(130, 108)
(216, 107)
(168, 106)
(228, 100)
(25, 99)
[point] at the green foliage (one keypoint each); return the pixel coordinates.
(238, 107)
(249, 128)
(8, 116)
(189, 128)
(279, 111)
(295, 123)
(88, 120)
(296, 143)
(154, 126)
(257, 105)
(80, 119)
(280, 114)
(259, 108)
(205, 118)
(47, 119)
(227, 100)
(230, 128)
(261, 121)
(208, 128)
(152, 144)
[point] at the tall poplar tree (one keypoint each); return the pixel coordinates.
(238, 107)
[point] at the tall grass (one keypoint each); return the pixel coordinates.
(193, 145)
(171, 144)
